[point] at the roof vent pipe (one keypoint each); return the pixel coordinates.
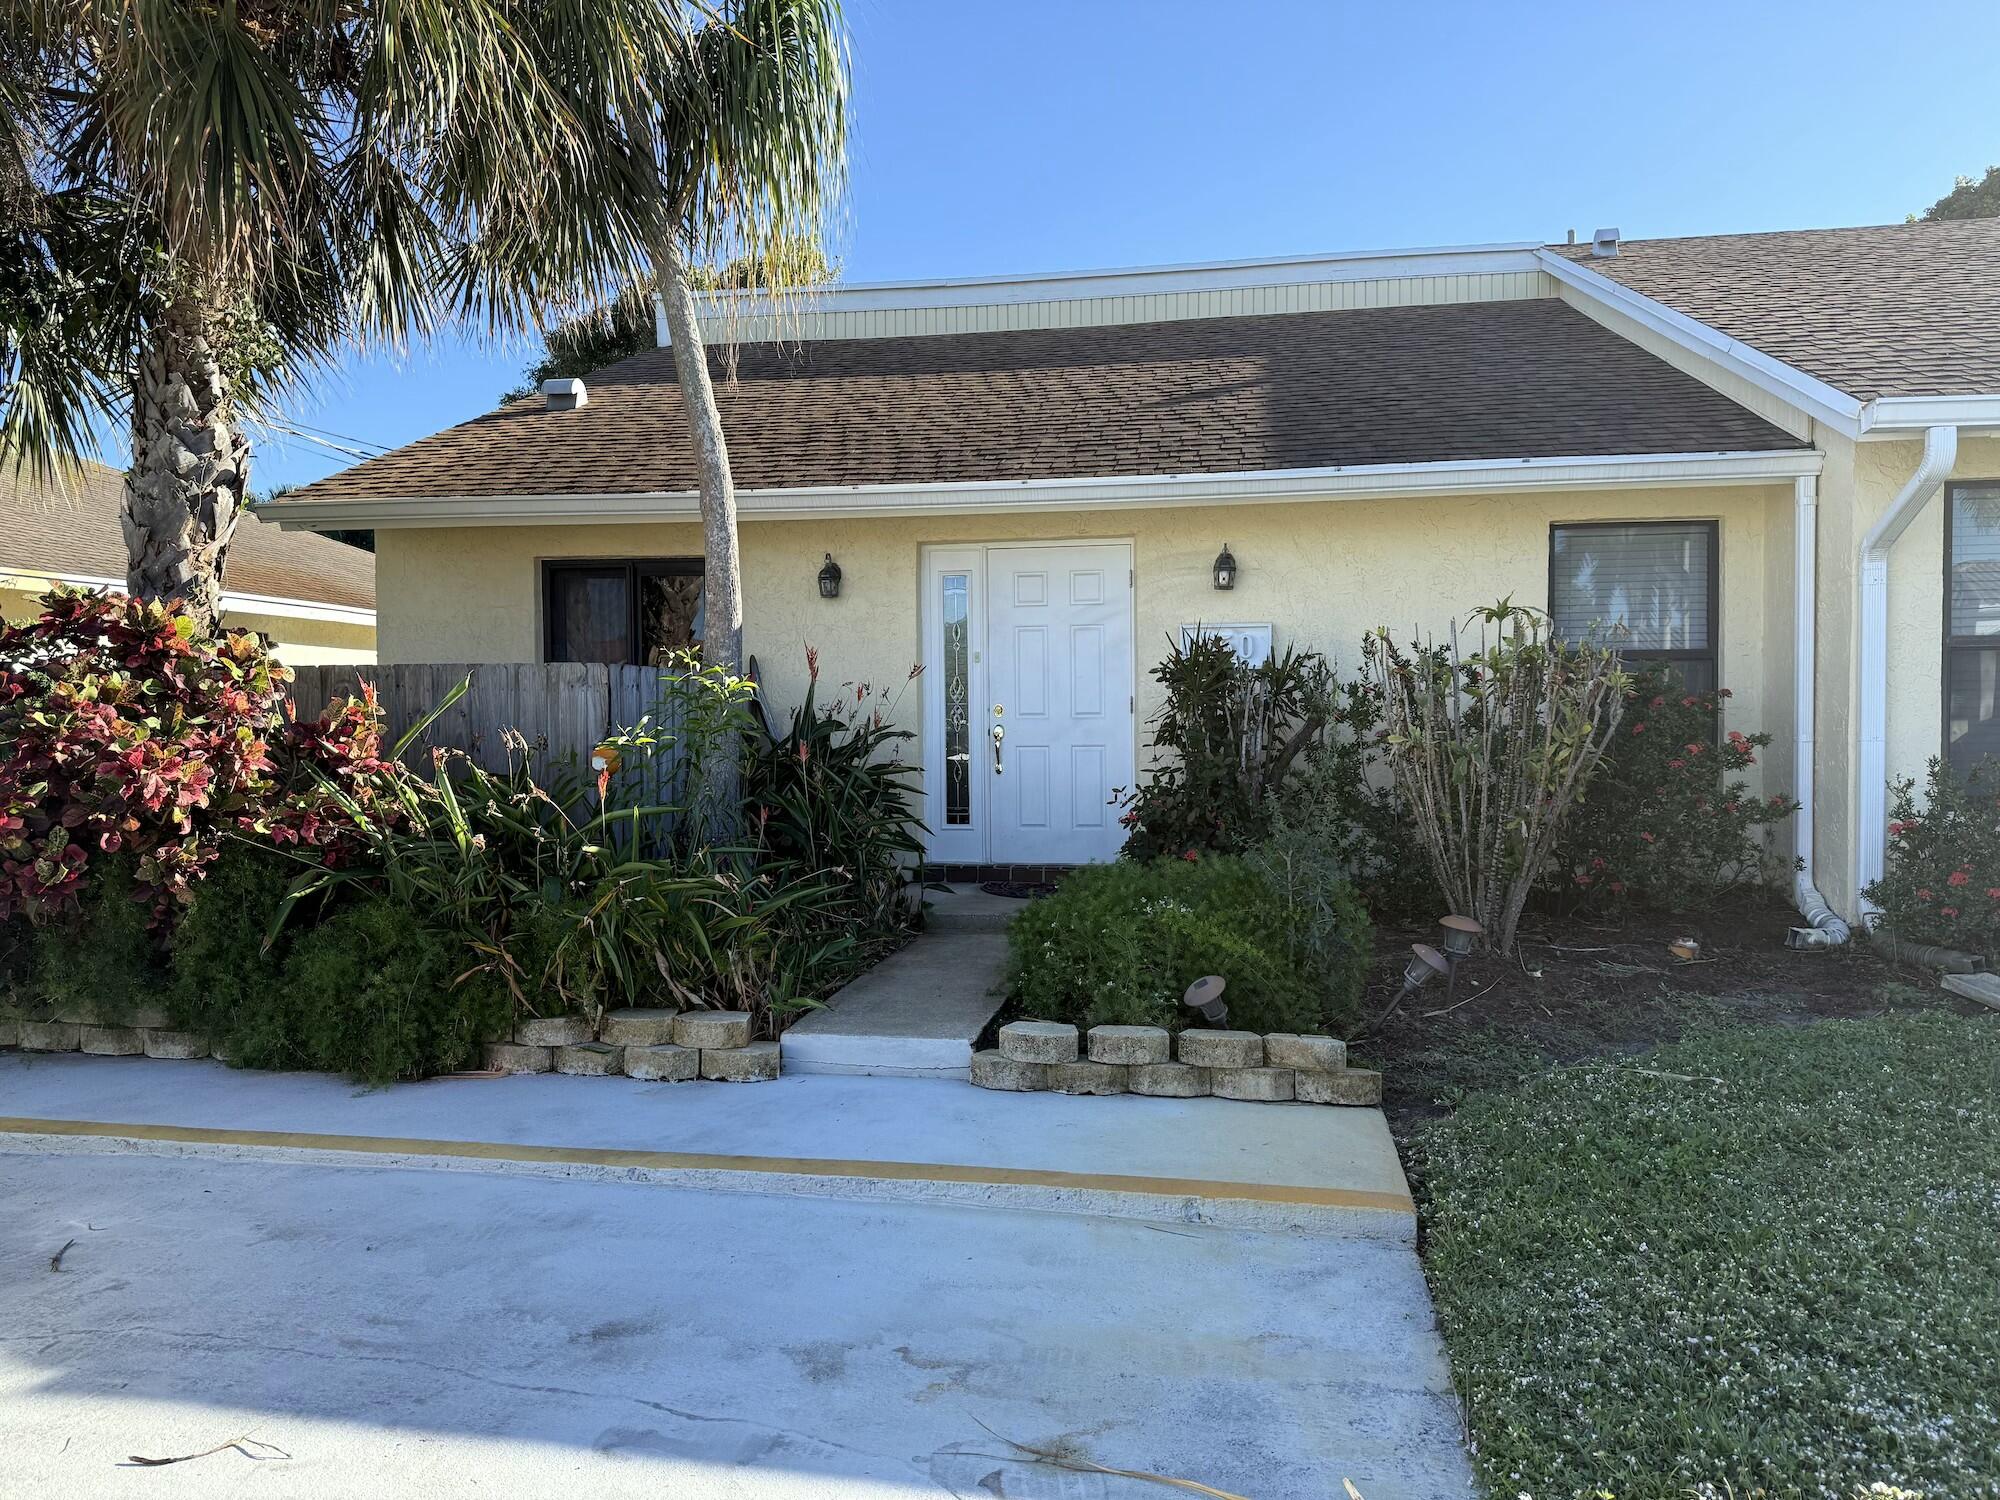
(564, 395)
(1604, 242)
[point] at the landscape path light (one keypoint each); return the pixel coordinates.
(1204, 998)
(1461, 937)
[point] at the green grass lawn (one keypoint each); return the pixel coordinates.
(1754, 1262)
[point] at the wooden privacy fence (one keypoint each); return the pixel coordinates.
(562, 709)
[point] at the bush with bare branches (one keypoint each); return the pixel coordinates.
(1491, 748)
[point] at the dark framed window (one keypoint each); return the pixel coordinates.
(1658, 580)
(1971, 623)
(621, 610)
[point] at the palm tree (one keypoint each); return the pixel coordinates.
(205, 203)
(751, 160)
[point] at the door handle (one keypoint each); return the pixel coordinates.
(999, 734)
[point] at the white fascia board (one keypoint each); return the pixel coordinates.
(297, 609)
(1140, 492)
(1133, 281)
(1909, 417)
(1807, 393)
(39, 581)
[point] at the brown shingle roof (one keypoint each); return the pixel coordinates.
(74, 530)
(1213, 395)
(1897, 310)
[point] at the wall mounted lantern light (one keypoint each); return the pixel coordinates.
(829, 579)
(1225, 568)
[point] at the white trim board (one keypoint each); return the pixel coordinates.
(1126, 281)
(35, 580)
(1470, 477)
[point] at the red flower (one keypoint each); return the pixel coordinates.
(1994, 892)
(1923, 893)
(1947, 911)
(1659, 703)
(1957, 877)
(1646, 838)
(1638, 728)
(1190, 856)
(1676, 765)
(1897, 828)
(1583, 880)
(1618, 887)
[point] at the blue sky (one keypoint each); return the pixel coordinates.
(1002, 135)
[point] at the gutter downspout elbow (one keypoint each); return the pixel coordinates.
(1824, 928)
(1872, 761)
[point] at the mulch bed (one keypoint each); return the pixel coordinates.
(1592, 987)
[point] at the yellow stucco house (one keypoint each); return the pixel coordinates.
(313, 597)
(1774, 457)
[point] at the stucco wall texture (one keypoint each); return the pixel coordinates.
(1322, 573)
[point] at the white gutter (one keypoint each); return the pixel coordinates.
(232, 601)
(1901, 416)
(1114, 492)
(1823, 929)
(1872, 767)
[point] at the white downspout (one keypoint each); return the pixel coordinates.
(1824, 928)
(1872, 765)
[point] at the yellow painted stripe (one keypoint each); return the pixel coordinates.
(694, 1161)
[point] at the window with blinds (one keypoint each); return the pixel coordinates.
(1972, 624)
(1650, 587)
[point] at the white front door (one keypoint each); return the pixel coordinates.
(1029, 694)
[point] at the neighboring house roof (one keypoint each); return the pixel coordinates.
(1466, 381)
(1896, 310)
(72, 530)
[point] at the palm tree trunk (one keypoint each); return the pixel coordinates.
(722, 566)
(190, 470)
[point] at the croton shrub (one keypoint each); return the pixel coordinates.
(125, 728)
(128, 730)
(1668, 819)
(1942, 881)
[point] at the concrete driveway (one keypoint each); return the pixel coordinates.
(403, 1329)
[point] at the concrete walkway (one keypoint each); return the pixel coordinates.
(919, 1013)
(1212, 1161)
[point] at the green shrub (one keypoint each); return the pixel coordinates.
(1662, 823)
(374, 993)
(1320, 913)
(1942, 882)
(1223, 741)
(105, 954)
(1340, 801)
(831, 797)
(221, 969)
(1118, 944)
